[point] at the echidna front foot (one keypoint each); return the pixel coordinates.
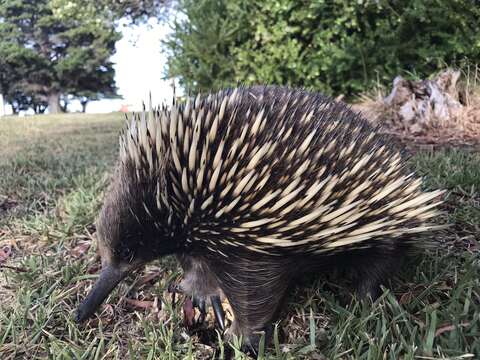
(201, 286)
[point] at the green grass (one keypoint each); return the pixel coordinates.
(52, 174)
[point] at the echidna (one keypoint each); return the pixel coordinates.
(251, 188)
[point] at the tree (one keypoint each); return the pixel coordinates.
(136, 11)
(13, 67)
(45, 54)
(338, 47)
(133, 11)
(200, 50)
(346, 47)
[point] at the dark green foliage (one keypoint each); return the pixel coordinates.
(131, 11)
(333, 46)
(205, 36)
(136, 10)
(47, 52)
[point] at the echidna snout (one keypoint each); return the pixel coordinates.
(255, 187)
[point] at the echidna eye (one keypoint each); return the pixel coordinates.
(126, 253)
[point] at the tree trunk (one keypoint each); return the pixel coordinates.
(64, 107)
(54, 103)
(2, 106)
(84, 105)
(420, 106)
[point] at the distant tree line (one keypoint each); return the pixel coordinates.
(338, 47)
(54, 50)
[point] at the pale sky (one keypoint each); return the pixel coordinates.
(139, 67)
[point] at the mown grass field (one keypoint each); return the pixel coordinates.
(53, 170)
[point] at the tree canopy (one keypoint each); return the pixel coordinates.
(49, 50)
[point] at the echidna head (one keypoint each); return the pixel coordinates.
(127, 237)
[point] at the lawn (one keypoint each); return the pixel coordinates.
(53, 170)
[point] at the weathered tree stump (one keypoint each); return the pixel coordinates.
(417, 106)
(440, 111)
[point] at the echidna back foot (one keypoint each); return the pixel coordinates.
(371, 275)
(257, 304)
(256, 290)
(368, 269)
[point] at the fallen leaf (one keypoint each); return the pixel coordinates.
(405, 298)
(142, 304)
(188, 313)
(7, 204)
(80, 249)
(5, 253)
(148, 277)
(14, 268)
(94, 268)
(445, 328)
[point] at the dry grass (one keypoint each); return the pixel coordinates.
(53, 172)
(458, 130)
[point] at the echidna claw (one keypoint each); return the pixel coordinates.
(202, 306)
(218, 311)
(174, 288)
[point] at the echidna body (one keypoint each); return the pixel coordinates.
(252, 187)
